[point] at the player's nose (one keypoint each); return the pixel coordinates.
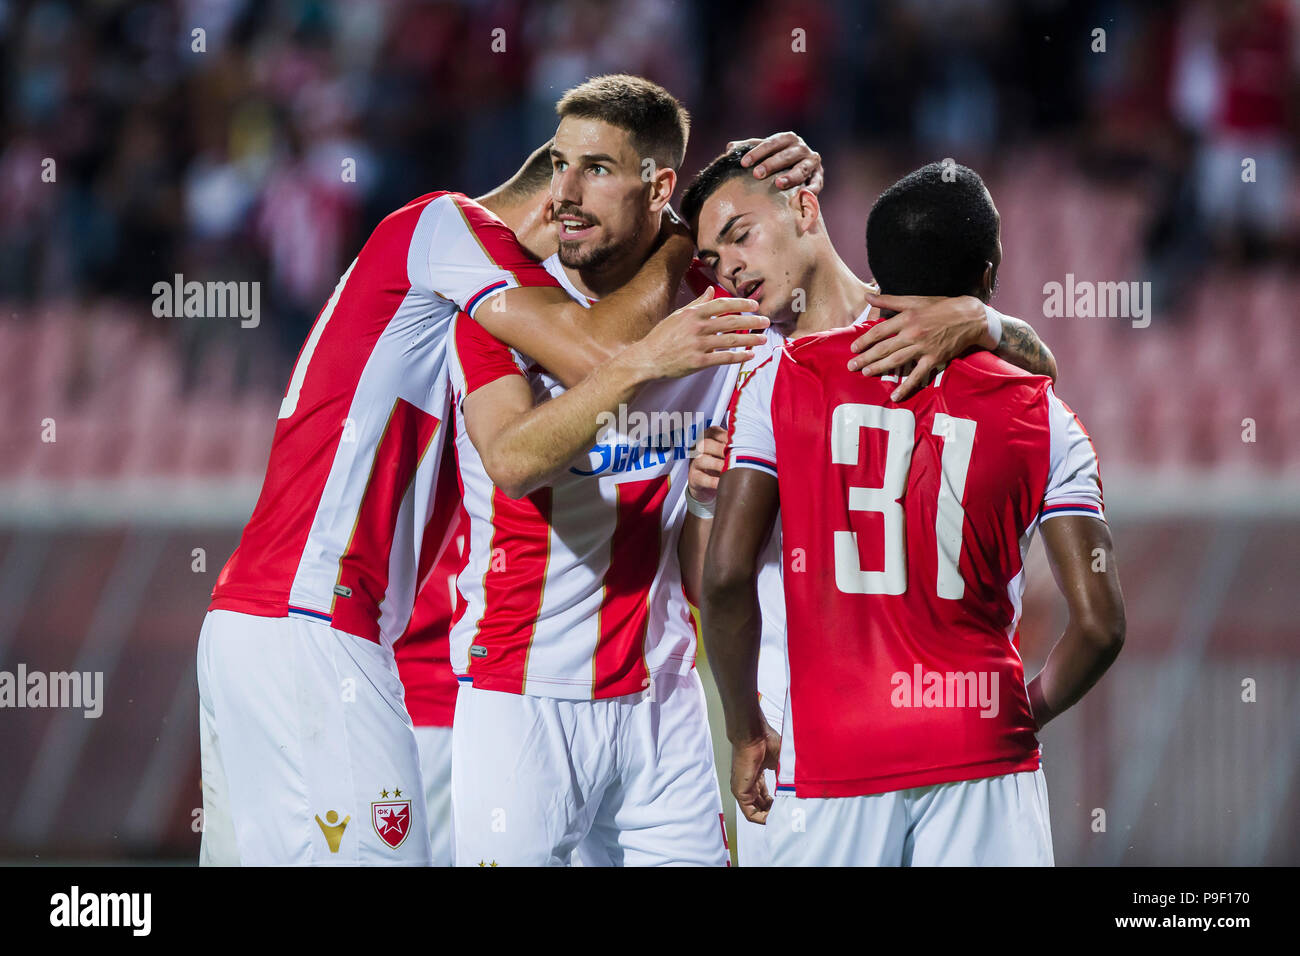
(730, 269)
(564, 187)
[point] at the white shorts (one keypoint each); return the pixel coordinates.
(305, 744)
(435, 773)
(994, 821)
(628, 781)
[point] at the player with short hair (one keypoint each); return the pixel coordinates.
(908, 734)
(773, 244)
(423, 650)
(580, 723)
(307, 750)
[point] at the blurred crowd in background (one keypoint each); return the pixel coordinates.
(1112, 136)
(226, 163)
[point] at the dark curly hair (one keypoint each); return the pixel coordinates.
(932, 232)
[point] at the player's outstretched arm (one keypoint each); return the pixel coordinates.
(931, 331)
(524, 446)
(1080, 552)
(732, 623)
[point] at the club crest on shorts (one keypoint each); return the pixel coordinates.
(391, 819)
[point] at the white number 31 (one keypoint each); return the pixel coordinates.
(958, 434)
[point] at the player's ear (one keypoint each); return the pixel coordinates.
(662, 183)
(987, 279)
(806, 208)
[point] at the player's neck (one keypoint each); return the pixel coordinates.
(836, 297)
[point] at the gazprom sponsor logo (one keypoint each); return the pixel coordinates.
(635, 440)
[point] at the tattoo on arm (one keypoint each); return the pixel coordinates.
(1022, 347)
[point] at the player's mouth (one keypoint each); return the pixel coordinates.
(575, 228)
(750, 289)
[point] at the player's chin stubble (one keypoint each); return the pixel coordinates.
(575, 255)
(595, 257)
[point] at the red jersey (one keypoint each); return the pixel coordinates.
(909, 523)
(339, 528)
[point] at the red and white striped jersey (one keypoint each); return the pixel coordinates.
(574, 591)
(423, 652)
(912, 521)
(349, 492)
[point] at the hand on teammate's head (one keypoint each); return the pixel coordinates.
(786, 156)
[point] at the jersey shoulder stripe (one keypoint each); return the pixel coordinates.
(756, 462)
(1071, 508)
(477, 297)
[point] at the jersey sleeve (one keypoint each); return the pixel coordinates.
(469, 255)
(750, 437)
(1074, 476)
(480, 357)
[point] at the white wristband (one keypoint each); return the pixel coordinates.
(994, 319)
(697, 507)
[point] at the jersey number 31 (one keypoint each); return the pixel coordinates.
(958, 434)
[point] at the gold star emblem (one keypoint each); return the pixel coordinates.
(383, 794)
(397, 792)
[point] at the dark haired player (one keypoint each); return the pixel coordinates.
(580, 722)
(773, 244)
(908, 735)
(423, 650)
(308, 756)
